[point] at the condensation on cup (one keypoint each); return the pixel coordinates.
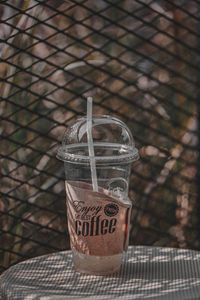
(98, 151)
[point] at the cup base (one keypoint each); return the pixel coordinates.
(96, 265)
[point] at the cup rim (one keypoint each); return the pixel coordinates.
(65, 155)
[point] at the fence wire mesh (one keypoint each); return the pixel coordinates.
(139, 61)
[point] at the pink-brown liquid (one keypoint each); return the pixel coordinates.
(98, 225)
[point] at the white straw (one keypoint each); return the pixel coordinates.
(90, 145)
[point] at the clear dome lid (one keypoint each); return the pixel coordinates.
(112, 140)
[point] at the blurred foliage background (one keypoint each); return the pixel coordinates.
(138, 59)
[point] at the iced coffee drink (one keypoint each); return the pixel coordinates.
(98, 207)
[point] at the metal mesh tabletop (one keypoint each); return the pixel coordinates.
(146, 273)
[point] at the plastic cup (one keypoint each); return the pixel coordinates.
(98, 221)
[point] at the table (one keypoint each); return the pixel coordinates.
(146, 273)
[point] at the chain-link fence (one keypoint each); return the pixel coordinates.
(139, 61)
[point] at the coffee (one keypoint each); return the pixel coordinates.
(98, 214)
(98, 224)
